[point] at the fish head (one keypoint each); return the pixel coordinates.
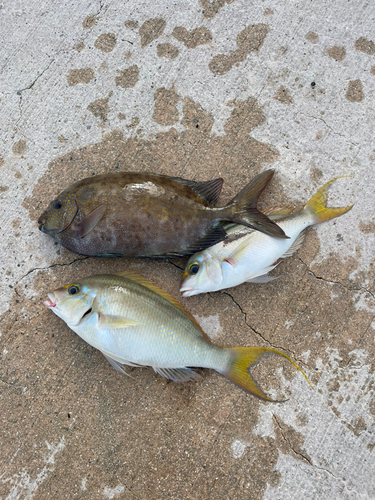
(72, 303)
(202, 274)
(59, 214)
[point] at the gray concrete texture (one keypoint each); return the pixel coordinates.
(196, 89)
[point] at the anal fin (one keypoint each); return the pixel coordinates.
(177, 374)
(296, 245)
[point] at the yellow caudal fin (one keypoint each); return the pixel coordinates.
(243, 359)
(317, 205)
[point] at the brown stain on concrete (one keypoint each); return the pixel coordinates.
(165, 111)
(128, 77)
(337, 53)
(312, 37)
(89, 21)
(212, 7)
(316, 174)
(99, 108)
(71, 378)
(372, 70)
(358, 426)
(131, 24)
(79, 46)
(19, 147)
(167, 50)
(121, 116)
(368, 228)
(302, 419)
(134, 122)
(151, 30)
(355, 91)
(364, 45)
(191, 39)
(3, 189)
(248, 40)
(283, 95)
(106, 42)
(1, 161)
(16, 223)
(268, 12)
(82, 75)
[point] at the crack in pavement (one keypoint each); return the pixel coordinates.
(329, 127)
(30, 86)
(355, 288)
(49, 267)
(298, 453)
(175, 265)
(260, 334)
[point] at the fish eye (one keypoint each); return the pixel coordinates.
(193, 268)
(73, 289)
(57, 204)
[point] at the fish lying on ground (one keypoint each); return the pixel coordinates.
(249, 255)
(133, 322)
(148, 215)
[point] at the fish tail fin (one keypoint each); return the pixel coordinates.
(243, 358)
(243, 208)
(316, 206)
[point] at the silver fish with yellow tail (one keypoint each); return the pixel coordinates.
(133, 322)
(248, 256)
(147, 215)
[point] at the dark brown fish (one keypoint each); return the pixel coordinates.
(148, 215)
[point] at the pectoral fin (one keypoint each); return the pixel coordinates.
(263, 278)
(90, 220)
(109, 321)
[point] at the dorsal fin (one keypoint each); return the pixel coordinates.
(209, 190)
(143, 281)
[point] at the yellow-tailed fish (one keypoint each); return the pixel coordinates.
(148, 215)
(249, 255)
(133, 322)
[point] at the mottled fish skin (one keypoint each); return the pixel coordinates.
(248, 256)
(133, 322)
(143, 215)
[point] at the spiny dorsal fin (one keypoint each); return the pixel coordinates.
(143, 281)
(209, 190)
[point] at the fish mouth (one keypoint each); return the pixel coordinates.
(52, 302)
(43, 220)
(187, 292)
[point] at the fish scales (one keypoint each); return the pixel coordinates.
(138, 214)
(248, 255)
(131, 321)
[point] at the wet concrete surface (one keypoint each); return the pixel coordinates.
(197, 90)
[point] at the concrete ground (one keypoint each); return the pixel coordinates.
(196, 89)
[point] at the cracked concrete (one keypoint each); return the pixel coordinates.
(189, 92)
